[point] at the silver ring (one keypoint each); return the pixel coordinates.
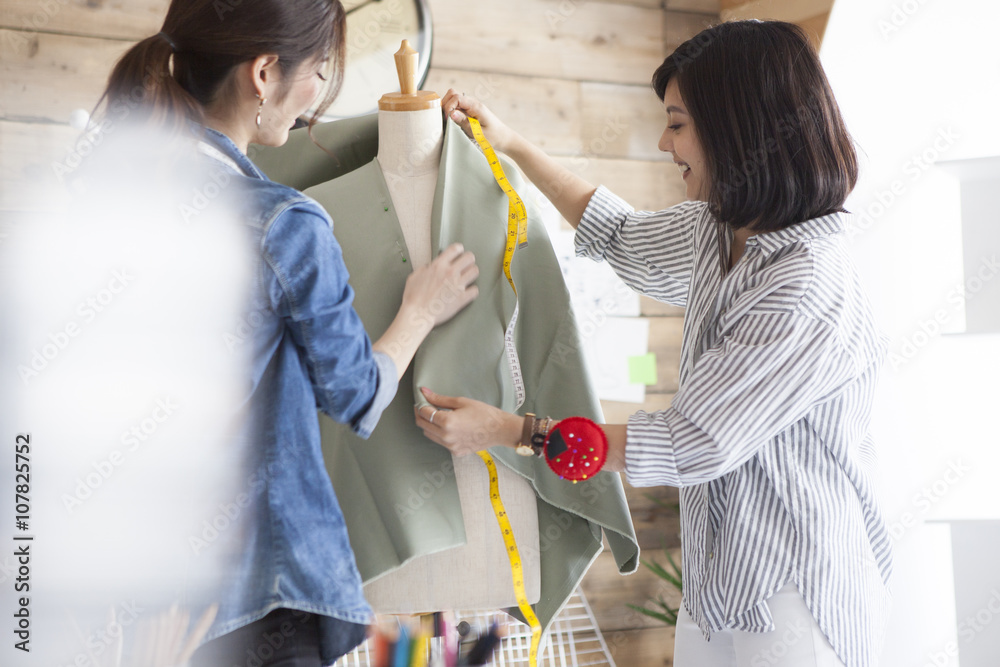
(431, 418)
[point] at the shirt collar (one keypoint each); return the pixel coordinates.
(226, 146)
(769, 242)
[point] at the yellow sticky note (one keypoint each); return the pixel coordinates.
(642, 369)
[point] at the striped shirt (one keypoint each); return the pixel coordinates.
(768, 434)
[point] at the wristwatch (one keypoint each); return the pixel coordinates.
(524, 444)
(533, 435)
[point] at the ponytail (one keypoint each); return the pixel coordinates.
(173, 77)
(143, 88)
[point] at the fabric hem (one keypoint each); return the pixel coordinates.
(319, 610)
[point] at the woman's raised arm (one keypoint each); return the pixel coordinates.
(568, 192)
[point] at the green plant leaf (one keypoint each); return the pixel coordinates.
(655, 568)
(670, 619)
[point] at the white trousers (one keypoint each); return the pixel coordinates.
(796, 640)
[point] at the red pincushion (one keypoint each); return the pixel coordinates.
(576, 449)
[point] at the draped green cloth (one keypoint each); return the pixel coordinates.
(397, 489)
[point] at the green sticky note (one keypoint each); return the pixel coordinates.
(642, 369)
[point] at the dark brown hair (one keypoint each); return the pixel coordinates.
(775, 145)
(207, 39)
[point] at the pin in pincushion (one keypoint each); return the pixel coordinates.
(576, 449)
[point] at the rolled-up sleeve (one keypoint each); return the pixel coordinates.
(762, 378)
(309, 288)
(653, 252)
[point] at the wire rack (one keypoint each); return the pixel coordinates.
(573, 640)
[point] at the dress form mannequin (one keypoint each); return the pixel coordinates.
(475, 576)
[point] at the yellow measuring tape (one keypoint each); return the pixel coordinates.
(517, 217)
(516, 568)
(517, 237)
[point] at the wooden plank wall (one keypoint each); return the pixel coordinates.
(812, 15)
(572, 75)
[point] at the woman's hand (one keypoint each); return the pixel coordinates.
(466, 426)
(459, 107)
(437, 292)
(433, 294)
(569, 193)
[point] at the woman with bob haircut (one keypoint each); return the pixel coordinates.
(218, 77)
(786, 556)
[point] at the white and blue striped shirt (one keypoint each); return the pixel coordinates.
(768, 434)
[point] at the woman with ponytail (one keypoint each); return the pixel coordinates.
(219, 77)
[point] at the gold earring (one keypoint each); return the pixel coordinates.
(260, 107)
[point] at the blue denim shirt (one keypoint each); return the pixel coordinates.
(309, 350)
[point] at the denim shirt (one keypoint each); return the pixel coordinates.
(309, 350)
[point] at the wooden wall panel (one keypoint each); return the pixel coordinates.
(622, 121)
(47, 76)
(632, 638)
(567, 118)
(782, 10)
(655, 513)
(28, 180)
(609, 592)
(587, 41)
(665, 341)
(545, 110)
(816, 27)
(645, 185)
(652, 307)
(650, 4)
(645, 647)
(696, 6)
(130, 19)
(678, 27)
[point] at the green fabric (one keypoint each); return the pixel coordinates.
(397, 489)
(301, 163)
